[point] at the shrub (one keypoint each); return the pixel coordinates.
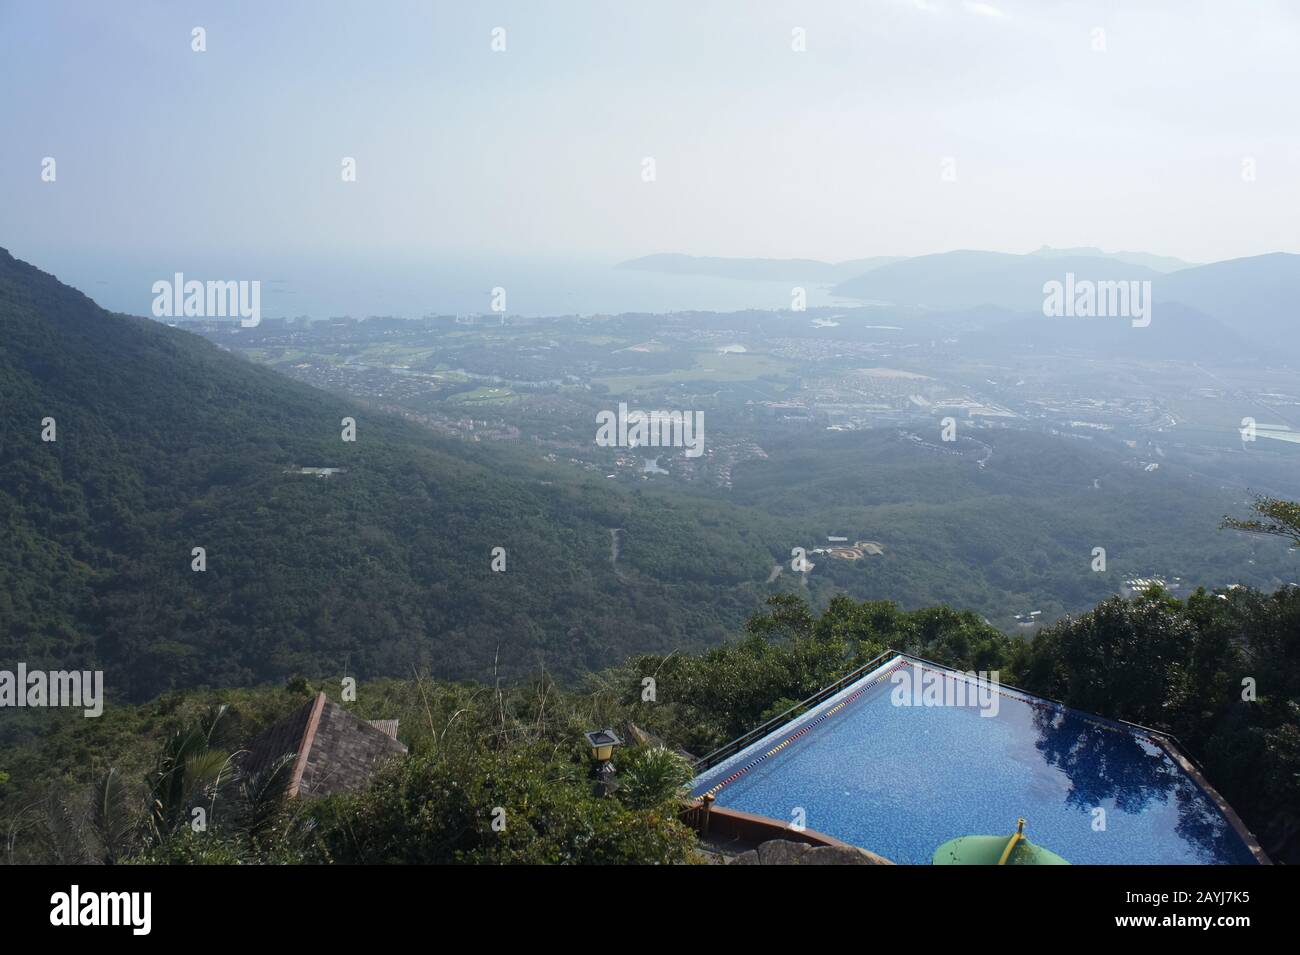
(651, 777)
(518, 805)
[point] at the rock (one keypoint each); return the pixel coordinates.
(785, 852)
(842, 855)
(782, 852)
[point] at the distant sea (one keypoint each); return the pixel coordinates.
(410, 290)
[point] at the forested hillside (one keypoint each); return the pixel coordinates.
(164, 443)
(1012, 537)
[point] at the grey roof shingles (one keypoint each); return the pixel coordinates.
(335, 750)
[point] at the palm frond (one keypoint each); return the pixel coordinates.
(111, 817)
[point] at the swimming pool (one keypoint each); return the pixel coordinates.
(902, 779)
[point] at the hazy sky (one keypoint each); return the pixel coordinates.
(835, 152)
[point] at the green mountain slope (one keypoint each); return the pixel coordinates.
(165, 443)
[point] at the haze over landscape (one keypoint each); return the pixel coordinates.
(532, 157)
(497, 359)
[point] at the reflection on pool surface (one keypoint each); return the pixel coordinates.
(901, 780)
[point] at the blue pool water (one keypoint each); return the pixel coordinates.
(901, 780)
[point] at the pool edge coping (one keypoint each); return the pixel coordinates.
(1176, 754)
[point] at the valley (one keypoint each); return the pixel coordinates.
(832, 421)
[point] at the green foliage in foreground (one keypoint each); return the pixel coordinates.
(518, 804)
(472, 751)
(504, 776)
(787, 654)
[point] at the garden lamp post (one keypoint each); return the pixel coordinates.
(602, 744)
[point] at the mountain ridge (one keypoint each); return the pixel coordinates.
(755, 269)
(1251, 296)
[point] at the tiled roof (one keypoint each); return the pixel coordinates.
(335, 751)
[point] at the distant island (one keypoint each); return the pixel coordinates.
(758, 270)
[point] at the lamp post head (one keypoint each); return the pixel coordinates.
(602, 744)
